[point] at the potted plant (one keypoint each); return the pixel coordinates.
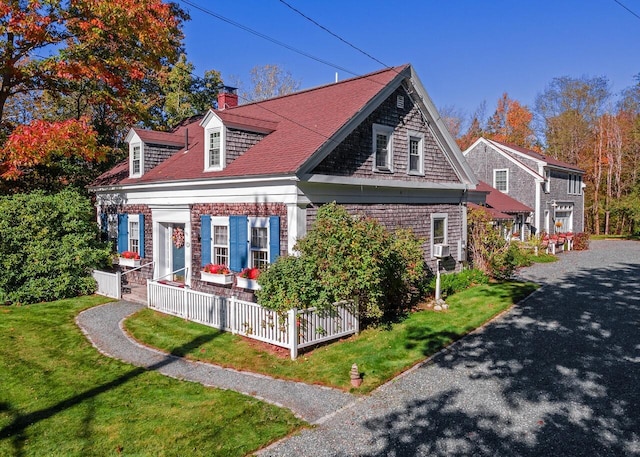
(247, 279)
(216, 273)
(129, 259)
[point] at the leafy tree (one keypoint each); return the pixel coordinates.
(109, 46)
(187, 95)
(268, 81)
(48, 246)
(511, 123)
(87, 59)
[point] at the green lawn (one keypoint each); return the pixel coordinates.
(380, 353)
(60, 397)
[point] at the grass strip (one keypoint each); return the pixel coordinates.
(381, 353)
(60, 396)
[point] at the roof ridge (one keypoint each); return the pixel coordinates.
(396, 69)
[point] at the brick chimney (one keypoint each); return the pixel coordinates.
(227, 97)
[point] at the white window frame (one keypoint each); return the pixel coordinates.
(379, 129)
(219, 221)
(207, 153)
(133, 240)
(574, 184)
(132, 160)
(258, 222)
(495, 183)
(434, 217)
(547, 181)
(415, 136)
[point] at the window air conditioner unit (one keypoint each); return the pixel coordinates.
(441, 250)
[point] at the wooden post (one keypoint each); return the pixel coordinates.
(119, 285)
(293, 332)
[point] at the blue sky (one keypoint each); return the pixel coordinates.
(465, 51)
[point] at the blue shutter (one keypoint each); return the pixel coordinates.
(205, 239)
(238, 242)
(123, 232)
(141, 235)
(274, 238)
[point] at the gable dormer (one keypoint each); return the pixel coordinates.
(136, 154)
(148, 148)
(215, 135)
(228, 135)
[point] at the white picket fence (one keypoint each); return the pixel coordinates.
(308, 326)
(109, 284)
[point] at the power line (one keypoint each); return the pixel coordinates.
(266, 37)
(630, 11)
(333, 34)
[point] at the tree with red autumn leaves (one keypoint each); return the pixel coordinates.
(105, 55)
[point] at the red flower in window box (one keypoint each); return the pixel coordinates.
(250, 273)
(216, 269)
(130, 255)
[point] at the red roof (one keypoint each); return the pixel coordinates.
(495, 214)
(501, 201)
(299, 123)
(536, 155)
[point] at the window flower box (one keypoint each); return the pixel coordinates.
(218, 274)
(129, 259)
(248, 279)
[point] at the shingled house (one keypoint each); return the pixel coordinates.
(242, 183)
(552, 188)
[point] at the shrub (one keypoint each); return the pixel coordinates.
(581, 241)
(48, 246)
(457, 282)
(504, 263)
(345, 257)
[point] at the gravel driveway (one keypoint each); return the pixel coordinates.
(558, 375)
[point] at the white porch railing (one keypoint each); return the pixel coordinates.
(109, 284)
(249, 319)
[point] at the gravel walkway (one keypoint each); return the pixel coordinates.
(558, 375)
(102, 326)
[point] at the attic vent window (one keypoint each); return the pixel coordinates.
(400, 102)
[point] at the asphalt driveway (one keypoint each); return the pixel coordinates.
(558, 375)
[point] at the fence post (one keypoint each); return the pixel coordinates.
(356, 315)
(119, 285)
(185, 300)
(293, 332)
(232, 314)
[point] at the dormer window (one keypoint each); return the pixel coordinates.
(215, 150)
(135, 160)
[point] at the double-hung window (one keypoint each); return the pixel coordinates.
(220, 241)
(259, 242)
(501, 180)
(383, 147)
(215, 156)
(136, 160)
(415, 154)
(439, 223)
(134, 236)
